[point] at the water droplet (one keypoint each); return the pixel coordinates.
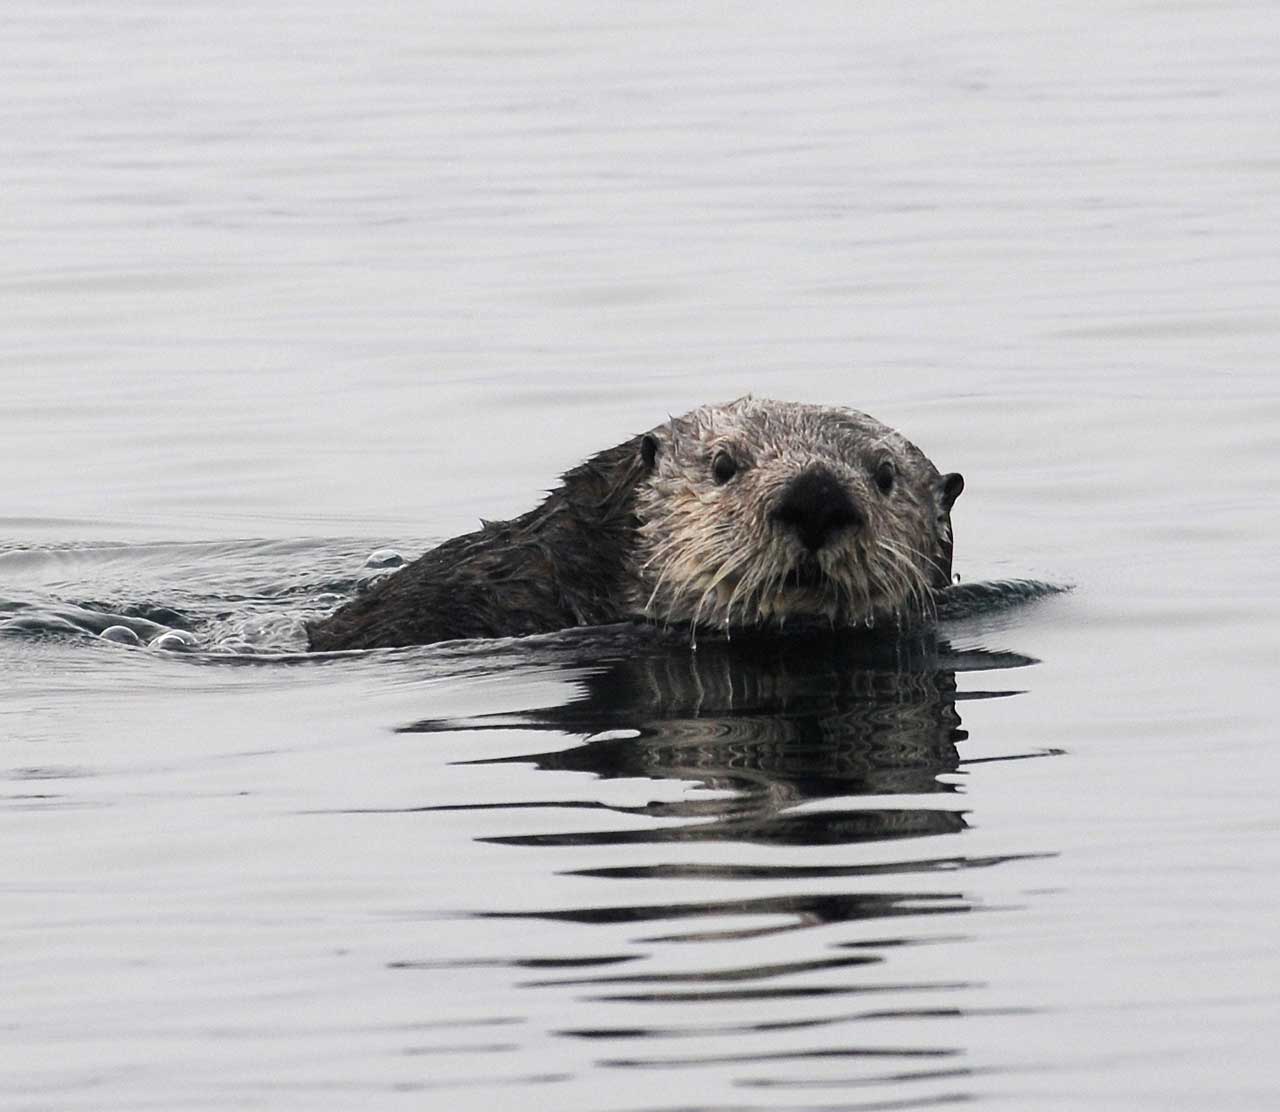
(121, 635)
(175, 641)
(384, 558)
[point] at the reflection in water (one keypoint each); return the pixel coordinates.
(833, 744)
(764, 728)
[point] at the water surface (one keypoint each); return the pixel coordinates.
(284, 286)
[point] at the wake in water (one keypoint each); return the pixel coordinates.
(225, 598)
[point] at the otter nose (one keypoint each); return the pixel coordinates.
(815, 505)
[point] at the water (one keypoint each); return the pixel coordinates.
(283, 286)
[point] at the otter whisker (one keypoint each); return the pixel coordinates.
(920, 594)
(895, 575)
(726, 570)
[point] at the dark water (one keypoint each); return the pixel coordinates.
(284, 286)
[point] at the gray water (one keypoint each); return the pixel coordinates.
(284, 284)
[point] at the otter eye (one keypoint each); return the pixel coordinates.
(724, 467)
(884, 476)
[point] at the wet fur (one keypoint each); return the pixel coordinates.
(644, 531)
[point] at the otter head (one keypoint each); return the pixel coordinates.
(759, 511)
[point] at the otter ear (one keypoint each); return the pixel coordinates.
(649, 450)
(949, 489)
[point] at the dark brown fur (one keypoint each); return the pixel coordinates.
(533, 574)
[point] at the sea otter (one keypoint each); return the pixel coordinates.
(754, 515)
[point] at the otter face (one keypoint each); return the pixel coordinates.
(759, 511)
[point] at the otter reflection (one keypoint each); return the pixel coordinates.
(763, 728)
